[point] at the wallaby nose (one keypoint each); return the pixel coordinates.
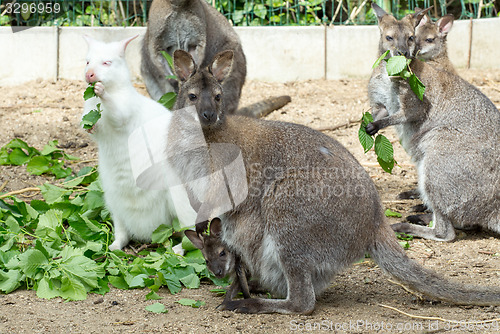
(208, 115)
(90, 76)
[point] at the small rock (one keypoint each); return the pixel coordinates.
(99, 301)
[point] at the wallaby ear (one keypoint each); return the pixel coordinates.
(425, 19)
(444, 24)
(222, 64)
(378, 11)
(194, 238)
(215, 227)
(184, 65)
(89, 40)
(124, 44)
(420, 14)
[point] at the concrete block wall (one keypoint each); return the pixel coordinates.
(273, 53)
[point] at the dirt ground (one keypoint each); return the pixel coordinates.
(41, 111)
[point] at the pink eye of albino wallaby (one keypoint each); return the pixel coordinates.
(107, 63)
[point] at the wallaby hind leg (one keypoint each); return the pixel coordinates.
(443, 229)
(423, 220)
(300, 300)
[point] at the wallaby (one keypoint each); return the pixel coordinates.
(136, 212)
(397, 36)
(220, 261)
(431, 41)
(431, 46)
(456, 135)
(298, 226)
(198, 28)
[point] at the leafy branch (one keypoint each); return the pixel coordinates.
(90, 119)
(382, 146)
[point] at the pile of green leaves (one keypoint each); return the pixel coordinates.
(59, 246)
(382, 146)
(51, 160)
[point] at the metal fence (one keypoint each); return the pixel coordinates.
(239, 12)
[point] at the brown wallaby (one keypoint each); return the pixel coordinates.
(457, 133)
(397, 36)
(431, 41)
(311, 210)
(198, 28)
(220, 261)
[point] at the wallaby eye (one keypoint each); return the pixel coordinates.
(217, 97)
(223, 253)
(88, 62)
(411, 38)
(429, 40)
(192, 97)
(389, 38)
(107, 63)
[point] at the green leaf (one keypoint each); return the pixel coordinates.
(169, 59)
(187, 245)
(153, 296)
(46, 289)
(365, 139)
(192, 281)
(157, 308)
(387, 166)
(395, 65)
(384, 149)
(118, 282)
(50, 224)
(17, 157)
(52, 193)
(168, 100)
(10, 280)
(91, 118)
(191, 302)
(72, 289)
(417, 86)
(138, 281)
(382, 57)
(50, 148)
(32, 261)
(172, 77)
(161, 234)
(89, 92)
(38, 165)
(390, 213)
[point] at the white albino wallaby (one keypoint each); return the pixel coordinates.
(136, 212)
(311, 210)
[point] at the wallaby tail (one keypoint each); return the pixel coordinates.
(264, 107)
(390, 256)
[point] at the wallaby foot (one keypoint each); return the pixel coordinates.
(301, 298)
(443, 229)
(121, 236)
(284, 306)
(410, 194)
(419, 208)
(423, 219)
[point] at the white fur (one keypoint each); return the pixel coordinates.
(136, 212)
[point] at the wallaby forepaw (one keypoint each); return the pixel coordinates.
(371, 129)
(115, 245)
(99, 88)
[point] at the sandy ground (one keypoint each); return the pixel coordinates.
(41, 111)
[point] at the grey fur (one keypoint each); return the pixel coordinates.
(198, 28)
(455, 146)
(311, 211)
